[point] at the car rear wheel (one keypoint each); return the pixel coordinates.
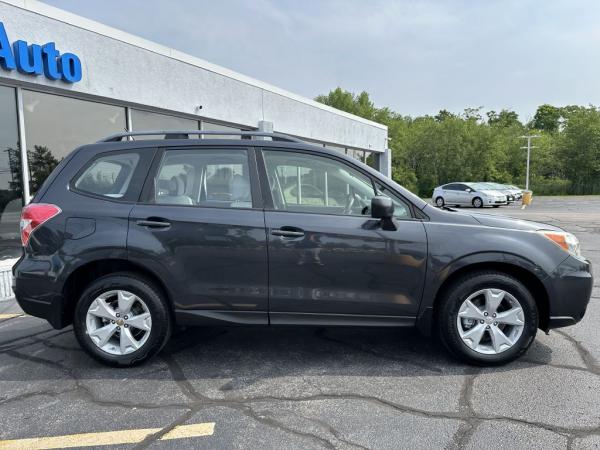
(439, 201)
(487, 318)
(122, 320)
(477, 202)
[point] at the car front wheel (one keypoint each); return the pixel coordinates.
(122, 320)
(439, 202)
(487, 318)
(477, 202)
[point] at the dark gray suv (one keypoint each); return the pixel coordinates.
(128, 239)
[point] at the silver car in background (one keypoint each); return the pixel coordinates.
(510, 195)
(477, 195)
(516, 191)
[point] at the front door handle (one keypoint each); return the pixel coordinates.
(288, 232)
(153, 223)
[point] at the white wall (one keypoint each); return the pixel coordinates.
(122, 67)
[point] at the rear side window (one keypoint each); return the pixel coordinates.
(108, 176)
(210, 178)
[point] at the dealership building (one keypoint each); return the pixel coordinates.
(66, 81)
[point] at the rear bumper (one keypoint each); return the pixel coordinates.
(570, 291)
(38, 293)
(49, 308)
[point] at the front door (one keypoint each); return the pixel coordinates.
(201, 230)
(329, 261)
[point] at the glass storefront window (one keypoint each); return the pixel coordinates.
(11, 194)
(149, 121)
(356, 154)
(371, 159)
(336, 148)
(207, 126)
(56, 125)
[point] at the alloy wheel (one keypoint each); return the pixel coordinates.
(490, 321)
(118, 322)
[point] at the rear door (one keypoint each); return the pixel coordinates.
(451, 193)
(463, 194)
(200, 227)
(328, 259)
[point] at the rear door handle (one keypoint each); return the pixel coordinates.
(288, 232)
(153, 223)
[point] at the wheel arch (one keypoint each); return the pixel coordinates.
(530, 280)
(86, 273)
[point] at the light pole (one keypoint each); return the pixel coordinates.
(529, 137)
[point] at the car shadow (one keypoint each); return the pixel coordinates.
(242, 356)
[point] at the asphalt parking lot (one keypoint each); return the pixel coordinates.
(289, 388)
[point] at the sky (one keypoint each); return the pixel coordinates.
(416, 57)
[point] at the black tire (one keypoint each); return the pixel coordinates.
(439, 202)
(459, 291)
(477, 202)
(153, 298)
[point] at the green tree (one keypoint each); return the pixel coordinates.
(547, 118)
(41, 164)
(431, 150)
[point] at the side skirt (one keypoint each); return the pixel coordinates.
(243, 318)
(340, 320)
(212, 317)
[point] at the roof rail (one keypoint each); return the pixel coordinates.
(184, 134)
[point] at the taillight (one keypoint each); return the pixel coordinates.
(34, 215)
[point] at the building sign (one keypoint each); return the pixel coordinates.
(37, 59)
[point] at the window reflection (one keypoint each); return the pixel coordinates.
(149, 121)
(356, 154)
(207, 126)
(10, 176)
(56, 125)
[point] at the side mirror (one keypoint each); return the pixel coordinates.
(382, 207)
(469, 190)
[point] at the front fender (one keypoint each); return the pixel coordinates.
(455, 247)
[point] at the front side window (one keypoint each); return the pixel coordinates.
(308, 183)
(401, 208)
(210, 178)
(108, 176)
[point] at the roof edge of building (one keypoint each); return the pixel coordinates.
(67, 17)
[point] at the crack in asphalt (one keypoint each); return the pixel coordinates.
(589, 360)
(469, 418)
(331, 430)
(4, 347)
(466, 412)
(322, 334)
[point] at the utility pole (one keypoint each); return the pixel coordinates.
(529, 137)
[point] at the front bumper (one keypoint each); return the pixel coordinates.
(494, 201)
(570, 290)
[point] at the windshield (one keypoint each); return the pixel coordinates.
(479, 186)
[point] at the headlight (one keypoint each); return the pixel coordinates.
(564, 240)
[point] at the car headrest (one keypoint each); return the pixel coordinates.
(177, 186)
(239, 187)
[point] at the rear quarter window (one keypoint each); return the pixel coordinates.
(108, 176)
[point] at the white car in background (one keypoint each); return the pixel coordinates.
(510, 193)
(516, 191)
(477, 195)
